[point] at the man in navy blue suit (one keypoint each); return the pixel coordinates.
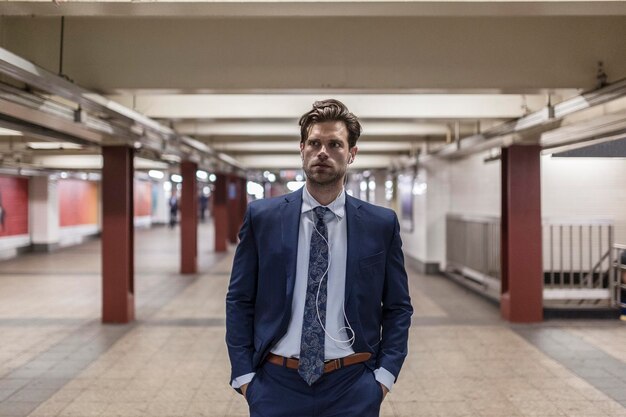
(318, 308)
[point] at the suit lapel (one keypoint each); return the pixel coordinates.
(355, 227)
(290, 226)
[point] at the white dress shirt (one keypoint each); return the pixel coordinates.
(289, 345)
(338, 343)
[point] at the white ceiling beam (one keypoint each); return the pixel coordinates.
(313, 8)
(91, 162)
(293, 147)
(292, 106)
(294, 162)
(216, 140)
(291, 128)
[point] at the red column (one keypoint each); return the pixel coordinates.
(189, 219)
(118, 305)
(220, 213)
(521, 297)
(243, 201)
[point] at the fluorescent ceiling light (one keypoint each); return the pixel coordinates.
(143, 163)
(53, 145)
(9, 132)
(255, 189)
(170, 157)
(294, 185)
(153, 173)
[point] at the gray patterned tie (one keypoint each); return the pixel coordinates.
(311, 366)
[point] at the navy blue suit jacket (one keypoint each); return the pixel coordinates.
(258, 303)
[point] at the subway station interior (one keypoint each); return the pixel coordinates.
(133, 135)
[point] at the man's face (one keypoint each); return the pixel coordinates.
(325, 153)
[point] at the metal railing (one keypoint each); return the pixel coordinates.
(473, 250)
(578, 258)
(619, 269)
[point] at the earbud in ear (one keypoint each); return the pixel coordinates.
(351, 159)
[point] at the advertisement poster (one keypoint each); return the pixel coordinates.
(143, 198)
(78, 202)
(13, 206)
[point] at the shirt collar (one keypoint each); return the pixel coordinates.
(338, 206)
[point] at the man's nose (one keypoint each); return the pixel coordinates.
(322, 154)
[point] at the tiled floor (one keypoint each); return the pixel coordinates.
(57, 359)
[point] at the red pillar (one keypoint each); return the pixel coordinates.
(118, 305)
(243, 201)
(220, 213)
(521, 297)
(189, 219)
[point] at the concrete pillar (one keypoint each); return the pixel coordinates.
(189, 219)
(521, 297)
(220, 212)
(45, 214)
(118, 305)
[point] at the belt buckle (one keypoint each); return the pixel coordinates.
(337, 363)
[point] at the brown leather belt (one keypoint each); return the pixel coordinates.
(329, 366)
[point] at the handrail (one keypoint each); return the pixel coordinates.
(598, 265)
(577, 256)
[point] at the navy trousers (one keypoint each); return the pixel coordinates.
(277, 391)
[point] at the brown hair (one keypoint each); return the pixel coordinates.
(328, 111)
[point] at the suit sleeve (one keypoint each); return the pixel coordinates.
(396, 308)
(240, 301)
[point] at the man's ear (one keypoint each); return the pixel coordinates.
(353, 152)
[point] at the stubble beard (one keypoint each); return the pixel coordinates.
(330, 180)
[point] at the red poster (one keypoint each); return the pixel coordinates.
(143, 198)
(13, 206)
(78, 202)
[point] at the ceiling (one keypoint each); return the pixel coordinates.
(236, 76)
